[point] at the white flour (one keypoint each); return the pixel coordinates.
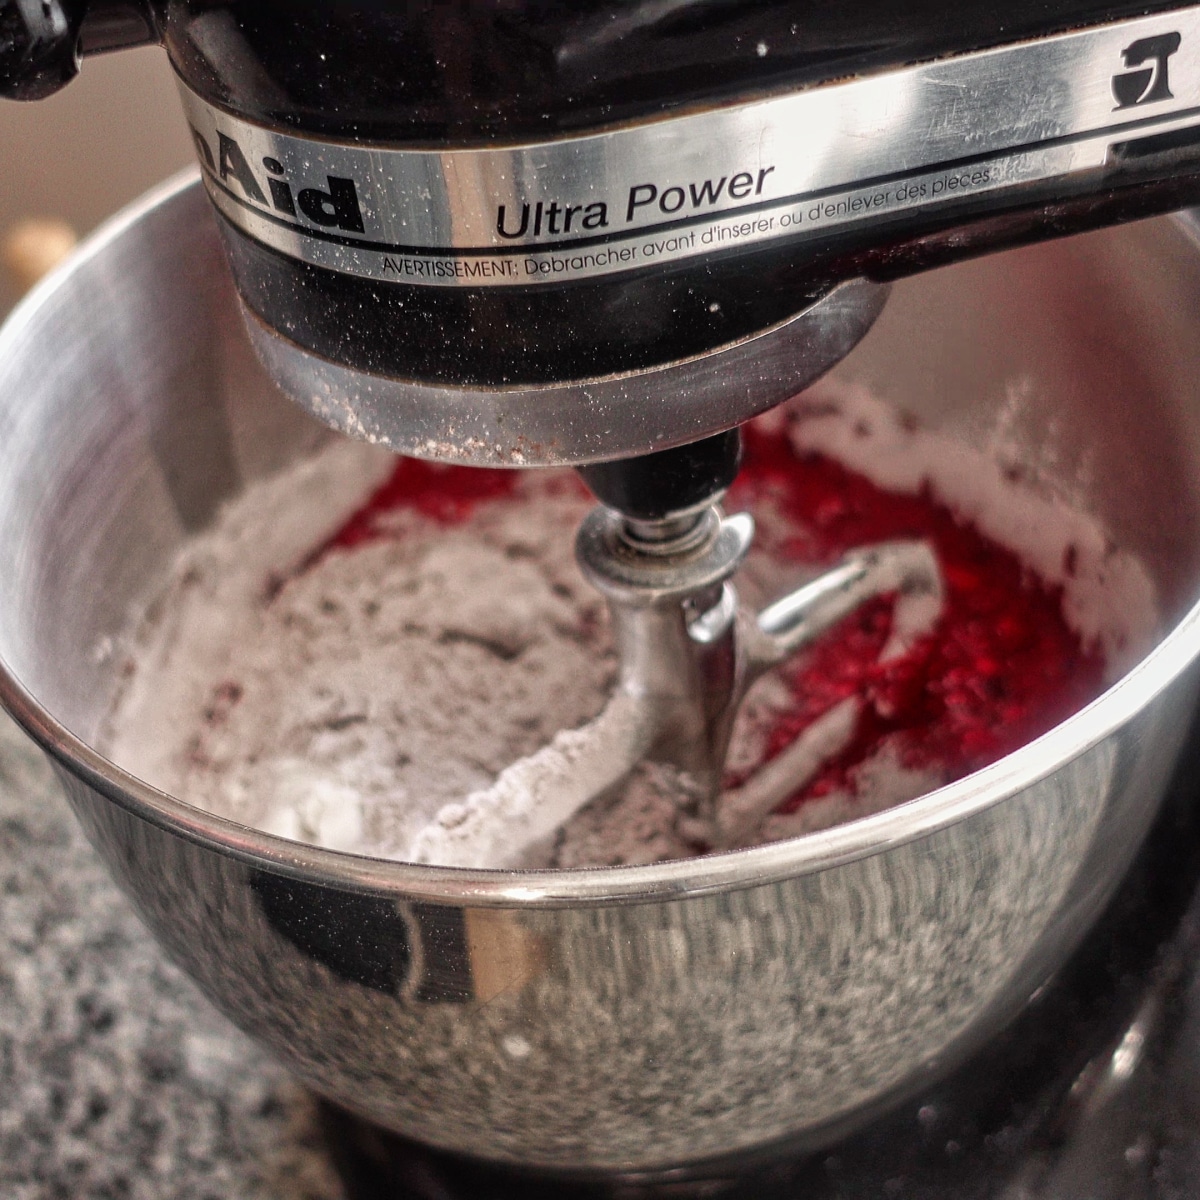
(1108, 599)
(348, 703)
(373, 687)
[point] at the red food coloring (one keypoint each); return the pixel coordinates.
(446, 494)
(1000, 667)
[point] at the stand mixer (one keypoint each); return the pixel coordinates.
(520, 235)
(603, 236)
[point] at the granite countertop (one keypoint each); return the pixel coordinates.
(117, 1078)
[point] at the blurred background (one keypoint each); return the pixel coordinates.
(79, 156)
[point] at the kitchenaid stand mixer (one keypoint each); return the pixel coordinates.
(605, 238)
(523, 236)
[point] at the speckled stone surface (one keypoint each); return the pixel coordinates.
(117, 1078)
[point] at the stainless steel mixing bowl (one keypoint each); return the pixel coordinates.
(623, 1019)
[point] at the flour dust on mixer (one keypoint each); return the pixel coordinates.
(406, 661)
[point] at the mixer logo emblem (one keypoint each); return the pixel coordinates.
(1149, 83)
(336, 205)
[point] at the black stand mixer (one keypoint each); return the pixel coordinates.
(604, 235)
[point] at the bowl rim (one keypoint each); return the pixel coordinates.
(808, 854)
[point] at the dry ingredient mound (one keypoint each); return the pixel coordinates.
(346, 702)
(338, 674)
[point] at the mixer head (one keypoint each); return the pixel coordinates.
(522, 234)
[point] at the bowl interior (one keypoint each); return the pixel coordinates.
(131, 406)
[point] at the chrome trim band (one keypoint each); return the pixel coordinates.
(786, 167)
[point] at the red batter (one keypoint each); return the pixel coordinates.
(1000, 668)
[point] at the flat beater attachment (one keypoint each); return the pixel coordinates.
(688, 654)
